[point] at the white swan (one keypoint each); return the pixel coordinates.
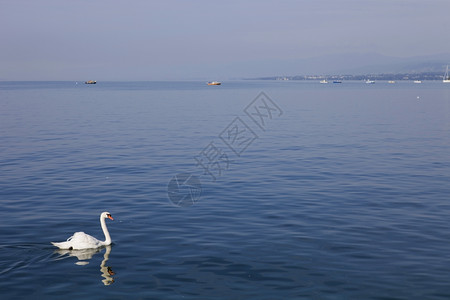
(81, 240)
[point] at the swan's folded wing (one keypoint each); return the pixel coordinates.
(81, 240)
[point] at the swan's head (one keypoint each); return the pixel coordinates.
(106, 214)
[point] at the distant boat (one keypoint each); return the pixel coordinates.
(370, 81)
(337, 81)
(417, 81)
(446, 76)
(391, 81)
(90, 82)
(214, 83)
(324, 81)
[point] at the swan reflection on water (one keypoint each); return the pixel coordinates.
(85, 255)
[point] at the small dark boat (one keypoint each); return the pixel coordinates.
(90, 82)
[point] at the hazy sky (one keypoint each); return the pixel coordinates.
(151, 40)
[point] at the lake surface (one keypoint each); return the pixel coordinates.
(248, 190)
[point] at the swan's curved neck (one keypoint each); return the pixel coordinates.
(105, 231)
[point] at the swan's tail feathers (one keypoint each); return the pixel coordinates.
(63, 245)
(68, 244)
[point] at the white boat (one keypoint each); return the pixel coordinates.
(446, 76)
(417, 81)
(391, 81)
(370, 81)
(324, 81)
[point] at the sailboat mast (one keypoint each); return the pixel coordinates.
(446, 76)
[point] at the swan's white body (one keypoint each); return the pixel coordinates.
(81, 240)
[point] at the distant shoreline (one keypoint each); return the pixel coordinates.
(399, 76)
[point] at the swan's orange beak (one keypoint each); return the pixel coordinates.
(109, 217)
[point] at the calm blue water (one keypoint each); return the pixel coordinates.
(345, 195)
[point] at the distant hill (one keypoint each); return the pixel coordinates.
(383, 64)
(354, 64)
